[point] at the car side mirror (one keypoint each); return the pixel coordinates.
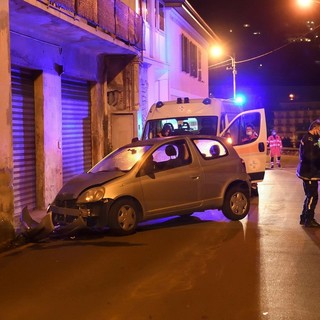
(148, 169)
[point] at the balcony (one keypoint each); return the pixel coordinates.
(104, 26)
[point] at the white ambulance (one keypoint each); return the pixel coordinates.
(215, 117)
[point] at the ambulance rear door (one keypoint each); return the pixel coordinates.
(253, 151)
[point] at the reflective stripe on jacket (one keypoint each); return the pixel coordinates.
(275, 144)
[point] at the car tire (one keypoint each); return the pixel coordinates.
(236, 203)
(123, 217)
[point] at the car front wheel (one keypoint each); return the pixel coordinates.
(123, 217)
(236, 203)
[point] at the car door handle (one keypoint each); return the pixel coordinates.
(195, 178)
(261, 147)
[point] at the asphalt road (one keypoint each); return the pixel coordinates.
(201, 267)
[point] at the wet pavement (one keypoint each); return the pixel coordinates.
(290, 256)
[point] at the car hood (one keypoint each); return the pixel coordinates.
(73, 188)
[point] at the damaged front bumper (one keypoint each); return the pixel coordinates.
(38, 231)
(64, 220)
(61, 216)
(93, 214)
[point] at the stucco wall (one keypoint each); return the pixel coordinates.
(49, 62)
(181, 84)
(6, 162)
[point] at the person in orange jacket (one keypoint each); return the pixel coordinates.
(275, 144)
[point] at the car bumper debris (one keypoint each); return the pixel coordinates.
(38, 231)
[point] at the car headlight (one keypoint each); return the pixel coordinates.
(91, 195)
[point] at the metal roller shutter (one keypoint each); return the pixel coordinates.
(76, 128)
(23, 130)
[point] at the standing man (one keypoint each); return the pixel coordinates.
(275, 144)
(309, 171)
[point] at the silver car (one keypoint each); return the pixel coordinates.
(155, 178)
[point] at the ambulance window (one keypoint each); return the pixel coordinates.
(245, 129)
(208, 125)
(150, 130)
(187, 124)
(171, 122)
(223, 122)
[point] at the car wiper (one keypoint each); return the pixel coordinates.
(113, 170)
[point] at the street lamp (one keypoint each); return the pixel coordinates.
(306, 3)
(234, 72)
(216, 52)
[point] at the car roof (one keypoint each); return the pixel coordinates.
(154, 141)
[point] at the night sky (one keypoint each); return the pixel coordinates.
(262, 26)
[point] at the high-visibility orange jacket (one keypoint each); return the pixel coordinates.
(275, 144)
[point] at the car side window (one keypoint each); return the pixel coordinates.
(210, 148)
(171, 155)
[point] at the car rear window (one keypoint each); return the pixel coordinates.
(210, 148)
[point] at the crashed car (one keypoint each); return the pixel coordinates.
(156, 178)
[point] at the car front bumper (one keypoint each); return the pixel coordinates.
(92, 213)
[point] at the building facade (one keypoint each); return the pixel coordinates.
(292, 119)
(175, 55)
(77, 80)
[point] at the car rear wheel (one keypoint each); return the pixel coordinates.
(123, 217)
(236, 203)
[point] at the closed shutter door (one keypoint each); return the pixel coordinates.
(76, 128)
(23, 130)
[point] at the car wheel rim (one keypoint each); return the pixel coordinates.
(238, 203)
(126, 217)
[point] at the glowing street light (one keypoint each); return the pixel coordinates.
(217, 52)
(306, 3)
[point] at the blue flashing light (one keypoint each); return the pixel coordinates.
(240, 99)
(206, 101)
(159, 104)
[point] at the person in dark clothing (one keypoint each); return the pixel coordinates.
(166, 130)
(309, 171)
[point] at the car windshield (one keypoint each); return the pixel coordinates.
(122, 159)
(182, 125)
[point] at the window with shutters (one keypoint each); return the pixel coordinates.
(159, 15)
(190, 58)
